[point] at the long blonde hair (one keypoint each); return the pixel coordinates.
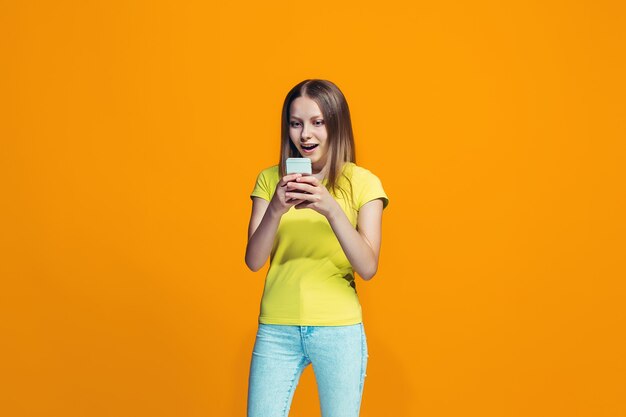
(336, 113)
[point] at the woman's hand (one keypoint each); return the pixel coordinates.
(312, 194)
(281, 203)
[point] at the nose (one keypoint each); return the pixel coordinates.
(305, 132)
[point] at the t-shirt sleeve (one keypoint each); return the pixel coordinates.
(371, 189)
(261, 188)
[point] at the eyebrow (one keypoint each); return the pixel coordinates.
(314, 117)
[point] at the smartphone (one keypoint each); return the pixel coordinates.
(299, 166)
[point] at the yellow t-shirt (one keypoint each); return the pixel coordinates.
(310, 281)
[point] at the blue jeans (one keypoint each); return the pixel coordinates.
(281, 352)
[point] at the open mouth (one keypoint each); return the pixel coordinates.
(309, 148)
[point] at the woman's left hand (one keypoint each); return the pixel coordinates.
(318, 197)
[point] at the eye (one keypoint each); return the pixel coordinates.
(321, 122)
(294, 124)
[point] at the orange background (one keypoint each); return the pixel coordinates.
(131, 135)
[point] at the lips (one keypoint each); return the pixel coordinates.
(310, 147)
(308, 150)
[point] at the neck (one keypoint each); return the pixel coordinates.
(318, 171)
(321, 173)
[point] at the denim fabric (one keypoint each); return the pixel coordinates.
(338, 355)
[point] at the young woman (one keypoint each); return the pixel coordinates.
(317, 230)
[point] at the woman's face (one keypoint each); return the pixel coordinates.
(307, 127)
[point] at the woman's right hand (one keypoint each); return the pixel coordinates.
(280, 203)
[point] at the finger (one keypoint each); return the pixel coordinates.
(308, 179)
(290, 177)
(303, 197)
(303, 204)
(294, 201)
(300, 186)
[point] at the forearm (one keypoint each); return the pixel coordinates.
(260, 243)
(357, 250)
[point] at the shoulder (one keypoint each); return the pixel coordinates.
(359, 173)
(269, 171)
(265, 183)
(366, 184)
(268, 174)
